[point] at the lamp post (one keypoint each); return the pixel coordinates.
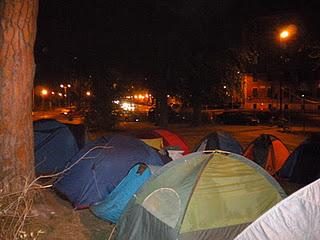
(304, 113)
(65, 87)
(44, 93)
(285, 34)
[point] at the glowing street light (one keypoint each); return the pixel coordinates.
(88, 93)
(65, 86)
(44, 92)
(287, 32)
(284, 34)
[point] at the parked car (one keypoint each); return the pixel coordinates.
(173, 116)
(237, 118)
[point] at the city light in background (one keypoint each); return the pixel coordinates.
(136, 102)
(44, 92)
(128, 106)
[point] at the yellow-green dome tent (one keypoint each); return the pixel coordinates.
(204, 195)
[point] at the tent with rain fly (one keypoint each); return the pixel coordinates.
(111, 208)
(100, 166)
(303, 164)
(170, 141)
(200, 196)
(219, 141)
(54, 146)
(296, 217)
(267, 151)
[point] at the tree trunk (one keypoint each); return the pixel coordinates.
(17, 67)
(163, 105)
(196, 115)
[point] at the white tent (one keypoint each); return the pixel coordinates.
(296, 217)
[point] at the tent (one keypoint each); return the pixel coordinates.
(267, 151)
(156, 143)
(161, 138)
(303, 164)
(54, 146)
(79, 132)
(100, 166)
(220, 141)
(296, 217)
(169, 139)
(111, 208)
(172, 140)
(204, 195)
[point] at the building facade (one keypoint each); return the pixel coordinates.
(262, 93)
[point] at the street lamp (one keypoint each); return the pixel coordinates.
(44, 93)
(65, 87)
(304, 113)
(288, 32)
(285, 34)
(88, 93)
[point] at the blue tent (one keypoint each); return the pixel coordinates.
(79, 132)
(54, 146)
(112, 207)
(220, 141)
(100, 166)
(303, 165)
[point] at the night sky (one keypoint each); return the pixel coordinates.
(89, 36)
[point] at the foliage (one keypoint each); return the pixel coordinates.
(229, 68)
(100, 113)
(312, 50)
(78, 93)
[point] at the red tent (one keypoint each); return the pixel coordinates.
(170, 139)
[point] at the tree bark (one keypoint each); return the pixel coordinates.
(17, 68)
(196, 114)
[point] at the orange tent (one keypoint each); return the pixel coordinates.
(268, 151)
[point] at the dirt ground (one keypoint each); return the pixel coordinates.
(56, 218)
